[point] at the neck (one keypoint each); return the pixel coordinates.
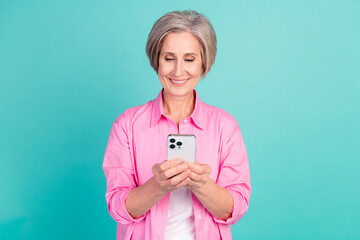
(178, 108)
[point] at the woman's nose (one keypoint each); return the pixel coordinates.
(179, 68)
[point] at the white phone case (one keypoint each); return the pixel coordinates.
(181, 146)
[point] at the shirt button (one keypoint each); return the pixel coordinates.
(199, 216)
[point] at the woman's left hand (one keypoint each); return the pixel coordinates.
(216, 199)
(199, 175)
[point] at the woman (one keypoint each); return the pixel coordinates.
(152, 197)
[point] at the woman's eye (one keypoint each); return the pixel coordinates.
(189, 60)
(169, 59)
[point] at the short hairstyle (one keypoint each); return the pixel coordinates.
(183, 21)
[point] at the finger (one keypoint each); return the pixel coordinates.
(195, 177)
(155, 169)
(201, 168)
(179, 178)
(158, 168)
(197, 168)
(169, 164)
(192, 184)
(183, 183)
(174, 171)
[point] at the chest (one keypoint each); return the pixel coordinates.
(150, 147)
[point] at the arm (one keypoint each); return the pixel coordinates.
(216, 199)
(168, 176)
(119, 172)
(227, 199)
(234, 174)
(126, 201)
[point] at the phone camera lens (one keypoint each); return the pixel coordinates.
(172, 140)
(172, 146)
(179, 143)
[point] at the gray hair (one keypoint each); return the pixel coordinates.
(183, 21)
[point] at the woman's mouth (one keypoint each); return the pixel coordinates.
(178, 82)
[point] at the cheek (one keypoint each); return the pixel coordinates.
(196, 70)
(164, 69)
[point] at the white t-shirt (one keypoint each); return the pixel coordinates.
(180, 222)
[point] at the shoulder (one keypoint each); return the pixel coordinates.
(224, 125)
(221, 116)
(132, 114)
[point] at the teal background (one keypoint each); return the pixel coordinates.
(289, 71)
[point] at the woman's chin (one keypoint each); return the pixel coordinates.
(178, 92)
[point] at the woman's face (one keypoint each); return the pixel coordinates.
(180, 64)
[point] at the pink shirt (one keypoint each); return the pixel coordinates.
(138, 140)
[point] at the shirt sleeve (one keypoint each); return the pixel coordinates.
(234, 174)
(119, 172)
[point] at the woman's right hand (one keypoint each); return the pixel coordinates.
(171, 174)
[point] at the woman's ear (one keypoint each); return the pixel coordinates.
(203, 75)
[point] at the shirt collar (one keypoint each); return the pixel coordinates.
(158, 111)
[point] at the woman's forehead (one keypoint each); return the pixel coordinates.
(183, 42)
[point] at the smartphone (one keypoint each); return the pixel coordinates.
(181, 146)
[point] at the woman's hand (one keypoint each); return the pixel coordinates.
(216, 199)
(199, 175)
(168, 176)
(171, 175)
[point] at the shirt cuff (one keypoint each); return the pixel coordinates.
(231, 219)
(123, 215)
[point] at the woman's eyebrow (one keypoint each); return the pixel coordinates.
(186, 54)
(194, 54)
(169, 53)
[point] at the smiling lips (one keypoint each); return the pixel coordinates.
(178, 82)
